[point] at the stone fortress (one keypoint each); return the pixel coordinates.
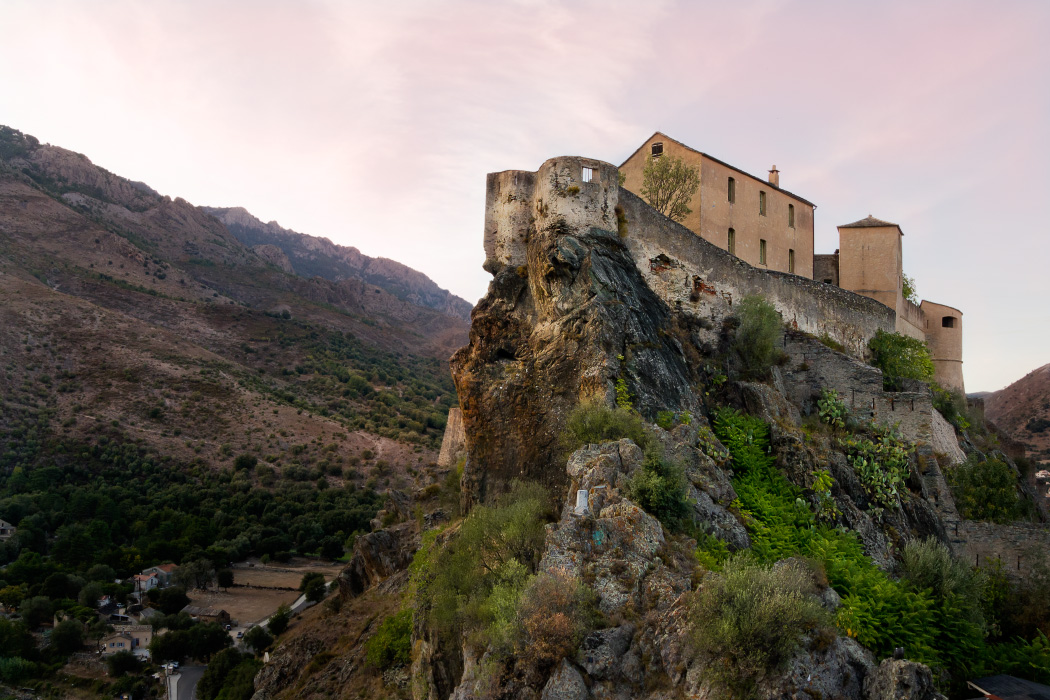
(853, 294)
(772, 229)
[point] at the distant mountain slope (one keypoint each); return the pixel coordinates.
(1022, 410)
(125, 311)
(312, 255)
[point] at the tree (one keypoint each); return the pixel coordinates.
(279, 620)
(668, 185)
(908, 288)
(122, 663)
(258, 638)
(195, 574)
(756, 337)
(208, 638)
(224, 577)
(172, 600)
(35, 611)
(900, 357)
(219, 668)
(316, 589)
(67, 637)
(308, 578)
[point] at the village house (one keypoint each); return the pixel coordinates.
(7, 530)
(145, 582)
(202, 614)
(165, 574)
(133, 638)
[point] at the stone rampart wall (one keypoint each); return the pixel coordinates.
(705, 281)
(1014, 546)
(812, 366)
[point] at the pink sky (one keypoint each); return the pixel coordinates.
(375, 124)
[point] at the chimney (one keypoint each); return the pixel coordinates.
(774, 177)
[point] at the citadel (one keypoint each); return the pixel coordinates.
(772, 229)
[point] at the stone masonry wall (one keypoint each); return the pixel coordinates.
(705, 281)
(812, 366)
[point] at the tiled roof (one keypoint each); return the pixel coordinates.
(868, 222)
(1011, 688)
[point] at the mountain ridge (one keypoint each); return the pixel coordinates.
(318, 256)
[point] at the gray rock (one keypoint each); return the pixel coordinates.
(897, 679)
(601, 653)
(565, 683)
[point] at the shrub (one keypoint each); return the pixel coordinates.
(952, 405)
(67, 637)
(985, 489)
(122, 663)
(258, 638)
(659, 487)
(279, 620)
(750, 619)
(881, 464)
(755, 341)
(555, 612)
(668, 185)
(391, 645)
(831, 408)
(900, 357)
(593, 423)
(16, 669)
(462, 585)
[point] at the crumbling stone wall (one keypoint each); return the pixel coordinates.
(1014, 546)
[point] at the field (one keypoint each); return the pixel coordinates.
(259, 589)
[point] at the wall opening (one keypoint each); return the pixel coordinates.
(791, 261)
(588, 174)
(762, 251)
(732, 190)
(732, 242)
(791, 216)
(658, 150)
(762, 203)
(948, 322)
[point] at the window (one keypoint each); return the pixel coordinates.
(762, 251)
(658, 150)
(827, 280)
(762, 203)
(588, 174)
(948, 322)
(791, 261)
(732, 190)
(791, 216)
(732, 242)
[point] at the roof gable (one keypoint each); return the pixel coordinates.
(720, 162)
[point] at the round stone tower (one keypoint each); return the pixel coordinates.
(944, 336)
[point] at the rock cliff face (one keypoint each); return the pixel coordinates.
(567, 316)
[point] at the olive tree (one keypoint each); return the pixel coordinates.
(668, 185)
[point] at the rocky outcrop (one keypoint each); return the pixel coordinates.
(566, 317)
(377, 556)
(275, 256)
(897, 679)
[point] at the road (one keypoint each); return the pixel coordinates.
(186, 683)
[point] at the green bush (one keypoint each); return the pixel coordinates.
(900, 357)
(122, 663)
(659, 487)
(831, 408)
(594, 423)
(881, 464)
(952, 405)
(985, 489)
(750, 619)
(258, 638)
(279, 620)
(755, 342)
(391, 645)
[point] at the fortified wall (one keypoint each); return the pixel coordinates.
(687, 272)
